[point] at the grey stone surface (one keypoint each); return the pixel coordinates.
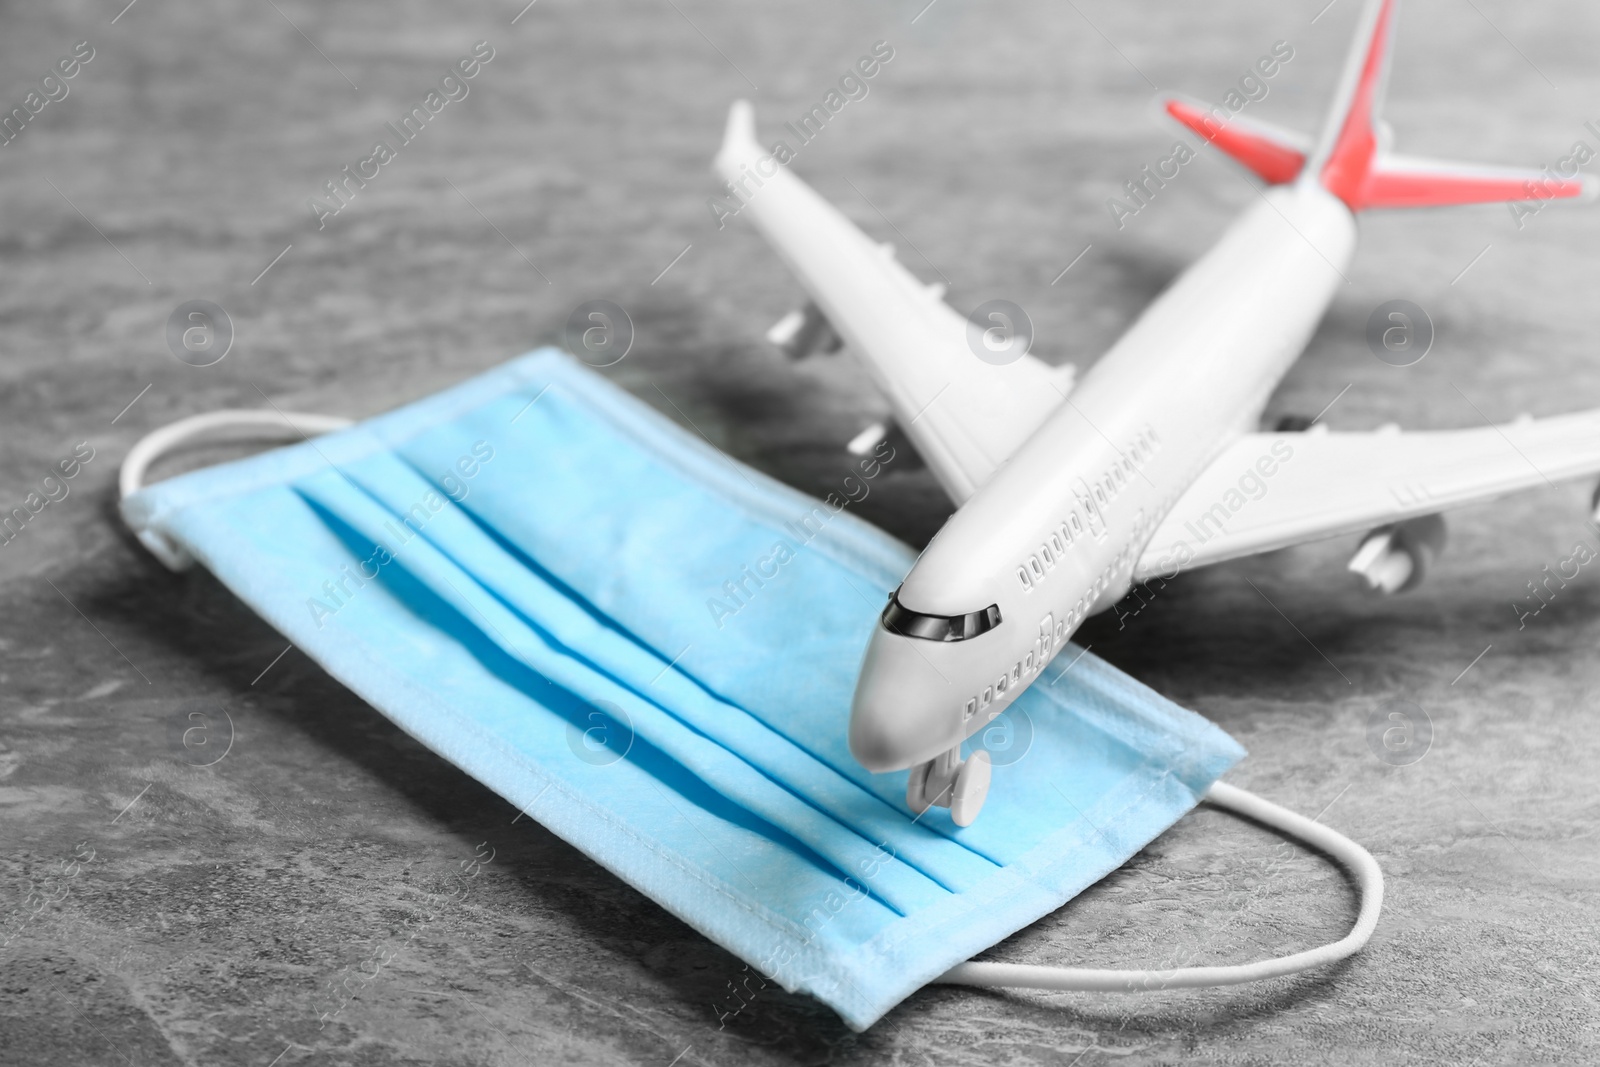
(226, 906)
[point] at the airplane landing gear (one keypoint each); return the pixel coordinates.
(948, 781)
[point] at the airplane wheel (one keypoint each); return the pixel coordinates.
(917, 788)
(972, 786)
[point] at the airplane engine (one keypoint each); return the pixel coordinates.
(1395, 559)
(803, 331)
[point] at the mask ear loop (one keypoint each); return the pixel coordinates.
(1357, 860)
(273, 425)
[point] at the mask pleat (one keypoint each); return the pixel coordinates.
(899, 885)
(527, 590)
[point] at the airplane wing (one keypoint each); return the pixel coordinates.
(1269, 491)
(965, 415)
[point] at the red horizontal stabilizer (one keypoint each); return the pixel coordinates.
(1276, 156)
(1397, 182)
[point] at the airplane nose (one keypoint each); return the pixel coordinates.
(904, 712)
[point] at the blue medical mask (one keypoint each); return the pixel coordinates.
(651, 649)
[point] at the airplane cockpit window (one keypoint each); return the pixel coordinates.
(907, 623)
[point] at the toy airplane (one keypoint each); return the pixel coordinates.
(1064, 502)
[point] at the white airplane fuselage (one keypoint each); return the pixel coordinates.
(1053, 537)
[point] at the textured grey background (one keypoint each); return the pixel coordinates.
(223, 906)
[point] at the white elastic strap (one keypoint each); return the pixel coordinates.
(273, 425)
(1359, 862)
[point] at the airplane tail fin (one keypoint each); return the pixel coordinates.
(1352, 160)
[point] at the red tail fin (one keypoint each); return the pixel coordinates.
(1346, 157)
(1353, 166)
(1351, 163)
